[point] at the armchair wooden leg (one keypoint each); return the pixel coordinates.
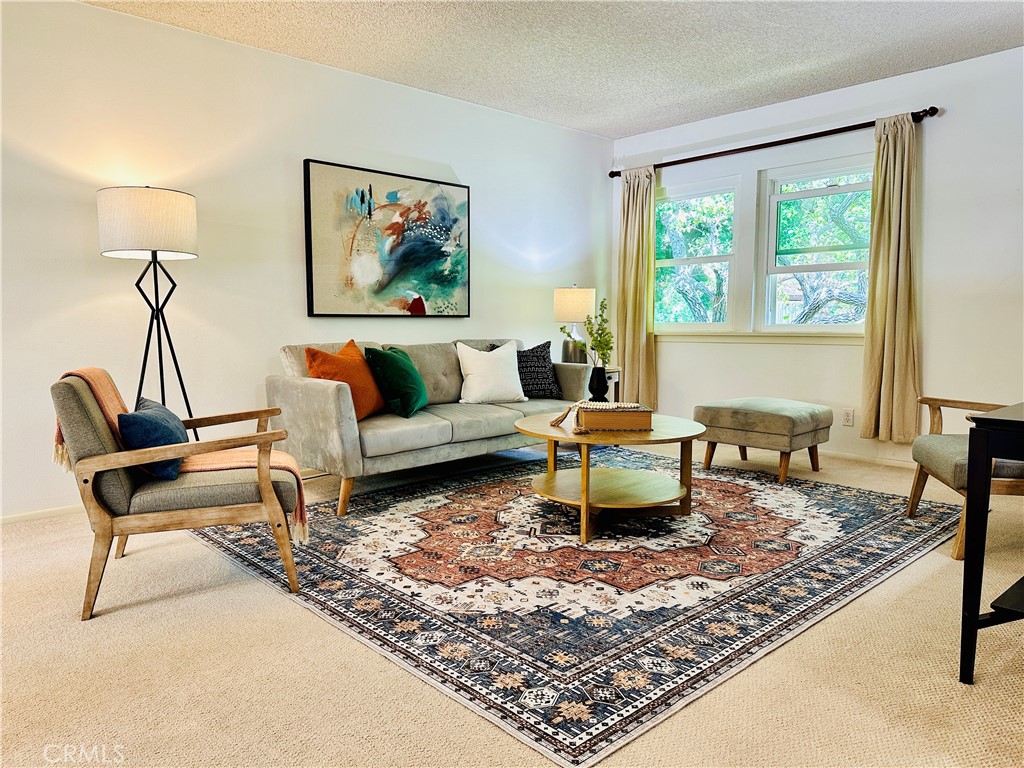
(920, 478)
(743, 452)
(783, 466)
(100, 551)
(119, 551)
(709, 454)
(344, 494)
(279, 527)
(957, 552)
(813, 453)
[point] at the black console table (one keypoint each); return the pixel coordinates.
(997, 434)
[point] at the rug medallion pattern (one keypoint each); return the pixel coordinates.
(483, 589)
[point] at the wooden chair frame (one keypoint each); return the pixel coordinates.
(106, 525)
(1000, 486)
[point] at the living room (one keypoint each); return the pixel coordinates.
(95, 98)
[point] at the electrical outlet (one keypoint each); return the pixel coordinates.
(847, 417)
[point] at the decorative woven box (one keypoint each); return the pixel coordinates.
(617, 417)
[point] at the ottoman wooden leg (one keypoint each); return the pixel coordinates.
(743, 452)
(813, 453)
(709, 454)
(783, 467)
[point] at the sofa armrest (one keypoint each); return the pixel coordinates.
(321, 421)
(573, 379)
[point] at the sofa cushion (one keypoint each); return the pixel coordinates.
(152, 425)
(399, 381)
(532, 407)
(485, 345)
(348, 366)
(293, 356)
(475, 421)
(489, 377)
(537, 372)
(438, 364)
(387, 433)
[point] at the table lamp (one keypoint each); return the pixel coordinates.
(155, 225)
(573, 305)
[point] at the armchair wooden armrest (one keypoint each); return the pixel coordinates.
(263, 414)
(90, 466)
(936, 404)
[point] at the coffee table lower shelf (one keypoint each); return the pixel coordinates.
(611, 488)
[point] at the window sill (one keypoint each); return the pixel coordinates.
(736, 337)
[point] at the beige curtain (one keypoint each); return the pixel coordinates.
(892, 381)
(635, 311)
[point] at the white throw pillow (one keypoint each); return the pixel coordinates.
(490, 377)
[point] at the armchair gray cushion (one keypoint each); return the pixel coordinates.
(944, 457)
(216, 488)
(86, 433)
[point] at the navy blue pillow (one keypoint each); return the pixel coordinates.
(152, 425)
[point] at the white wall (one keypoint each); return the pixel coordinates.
(970, 267)
(92, 98)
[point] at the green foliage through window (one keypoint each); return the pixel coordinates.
(696, 230)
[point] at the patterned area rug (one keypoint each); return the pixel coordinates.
(483, 589)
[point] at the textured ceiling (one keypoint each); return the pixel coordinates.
(611, 68)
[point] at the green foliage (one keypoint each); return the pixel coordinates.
(601, 340)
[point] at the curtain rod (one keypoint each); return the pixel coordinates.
(917, 117)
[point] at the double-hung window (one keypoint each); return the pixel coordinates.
(694, 257)
(817, 255)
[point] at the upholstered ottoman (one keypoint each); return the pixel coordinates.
(765, 422)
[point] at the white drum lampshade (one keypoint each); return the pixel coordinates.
(136, 222)
(572, 305)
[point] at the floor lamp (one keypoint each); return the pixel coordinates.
(155, 225)
(573, 305)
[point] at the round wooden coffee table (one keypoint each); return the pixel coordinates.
(610, 487)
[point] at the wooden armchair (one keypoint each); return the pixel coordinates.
(944, 457)
(122, 503)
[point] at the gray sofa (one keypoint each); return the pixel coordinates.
(323, 433)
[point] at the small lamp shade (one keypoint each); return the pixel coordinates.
(572, 305)
(136, 222)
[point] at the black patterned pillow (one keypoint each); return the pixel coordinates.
(537, 373)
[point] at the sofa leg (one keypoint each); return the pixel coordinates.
(121, 542)
(783, 466)
(343, 495)
(97, 564)
(813, 453)
(709, 454)
(743, 452)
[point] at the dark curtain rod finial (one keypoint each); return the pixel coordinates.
(917, 117)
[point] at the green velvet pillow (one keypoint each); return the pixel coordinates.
(397, 379)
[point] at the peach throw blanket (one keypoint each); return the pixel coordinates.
(111, 404)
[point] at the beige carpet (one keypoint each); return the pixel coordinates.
(192, 662)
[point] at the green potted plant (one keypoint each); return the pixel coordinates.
(601, 343)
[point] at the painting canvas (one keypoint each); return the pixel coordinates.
(385, 244)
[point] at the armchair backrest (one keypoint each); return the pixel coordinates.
(86, 433)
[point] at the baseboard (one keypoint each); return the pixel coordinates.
(905, 464)
(39, 514)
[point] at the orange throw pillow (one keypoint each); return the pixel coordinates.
(348, 366)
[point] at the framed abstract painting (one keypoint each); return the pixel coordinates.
(380, 244)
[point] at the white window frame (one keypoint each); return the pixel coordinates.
(725, 185)
(772, 180)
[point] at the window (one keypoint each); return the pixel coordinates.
(818, 235)
(693, 254)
